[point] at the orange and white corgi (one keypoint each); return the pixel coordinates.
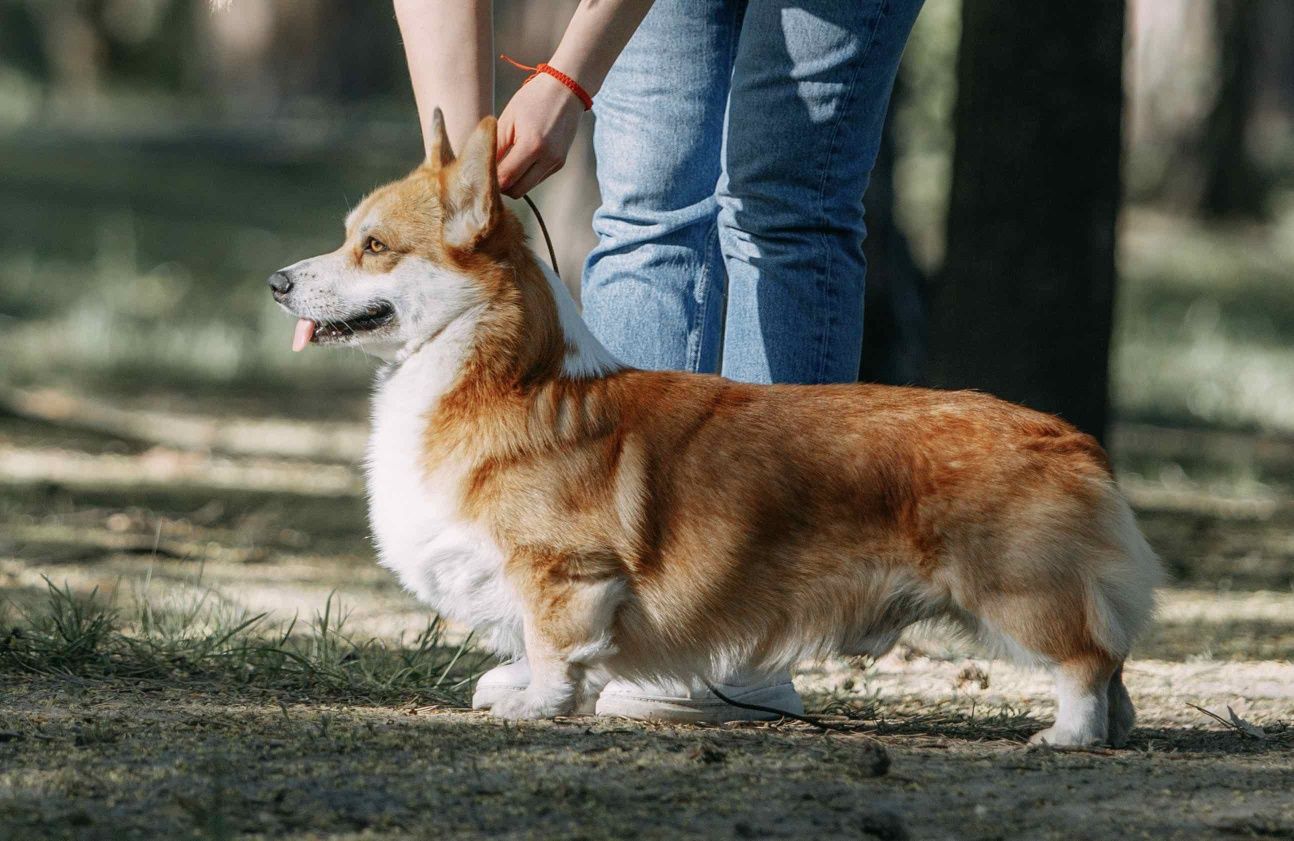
(607, 521)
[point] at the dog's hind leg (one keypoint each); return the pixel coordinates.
(1082, 711)
(1052, 628)
(1122, 715)
(1080, 593)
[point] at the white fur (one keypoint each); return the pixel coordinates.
(586, 357)
(426, 297)
(1122, 596)
(1082, 715)
(447, 561)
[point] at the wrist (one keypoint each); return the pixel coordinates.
(569, 83)
(572, 86)
(578, 67)
(562, 97)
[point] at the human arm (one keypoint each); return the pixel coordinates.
(538, 126)
(449, 45)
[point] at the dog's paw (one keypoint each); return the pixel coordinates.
(530, 705)
(1058, 737)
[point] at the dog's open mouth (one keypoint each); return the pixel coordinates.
(321, 332)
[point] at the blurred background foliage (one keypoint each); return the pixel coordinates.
(159, 159)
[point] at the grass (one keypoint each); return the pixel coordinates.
(195, 637)
(1204, 321)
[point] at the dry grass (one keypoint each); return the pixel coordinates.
(200, 639)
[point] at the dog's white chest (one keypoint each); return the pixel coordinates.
(447, 561)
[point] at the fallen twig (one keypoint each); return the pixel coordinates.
(1238, 724)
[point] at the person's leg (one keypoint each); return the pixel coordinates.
(652, 289)
(810, 88)
(653, 286)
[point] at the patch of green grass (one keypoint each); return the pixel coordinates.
(204, 639)
(67, 636)
(1204, 321)
(131, 263)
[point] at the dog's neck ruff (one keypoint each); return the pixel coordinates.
(414, 348)
(584, 356)
(448, 561)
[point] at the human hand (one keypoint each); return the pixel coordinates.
(536, 131)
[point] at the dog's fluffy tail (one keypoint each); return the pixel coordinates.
(1121, 594)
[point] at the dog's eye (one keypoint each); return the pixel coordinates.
(374, 246)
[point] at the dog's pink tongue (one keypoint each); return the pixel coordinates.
(304, 333)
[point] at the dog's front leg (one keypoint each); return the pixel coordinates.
(567, 623)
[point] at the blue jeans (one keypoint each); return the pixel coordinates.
(734, 142)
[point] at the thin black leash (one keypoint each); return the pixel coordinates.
(811, 721)
(548, 240)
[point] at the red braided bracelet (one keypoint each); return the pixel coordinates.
(548, 70)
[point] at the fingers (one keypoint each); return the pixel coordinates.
(532, 178)
(519, 158)
(505, 135)
(535, 133)
(526, 163)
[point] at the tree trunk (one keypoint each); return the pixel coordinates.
(894, 309)
(1233, 185)
(1023, 308)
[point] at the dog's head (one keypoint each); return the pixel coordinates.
(406, 268)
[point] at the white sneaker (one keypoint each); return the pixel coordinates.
(664, 700)
(674, 700)
(500, 682)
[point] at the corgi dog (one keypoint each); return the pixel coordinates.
(612, 522)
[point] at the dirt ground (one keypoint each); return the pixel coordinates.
(263, 511)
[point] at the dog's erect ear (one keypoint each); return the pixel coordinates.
(470, 190)
(439, 153)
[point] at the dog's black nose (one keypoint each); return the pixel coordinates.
(280, 283)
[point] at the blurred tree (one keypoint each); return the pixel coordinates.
(1276, 81)
(894, 311)
(1233, 184)
(1023, 308)
(20, 41)
(71, 44)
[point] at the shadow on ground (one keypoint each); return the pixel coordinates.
(90, 760)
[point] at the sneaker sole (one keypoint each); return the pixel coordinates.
(781, 696)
